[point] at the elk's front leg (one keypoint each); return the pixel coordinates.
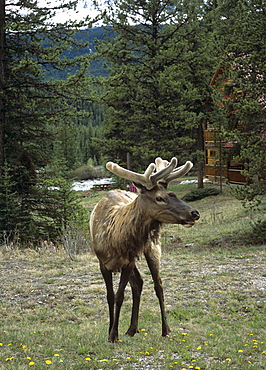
(153, 254)
(119, 297)
(136, 283)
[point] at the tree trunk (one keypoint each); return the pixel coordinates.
(200, 174)
(200, 135)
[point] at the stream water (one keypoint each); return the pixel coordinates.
(88, 184)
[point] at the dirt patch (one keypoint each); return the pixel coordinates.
(29, 281)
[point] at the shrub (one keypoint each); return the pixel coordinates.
(199, 194)
(249, 195)
(86, 172)
(259, 231)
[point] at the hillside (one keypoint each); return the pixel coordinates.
(88, 37)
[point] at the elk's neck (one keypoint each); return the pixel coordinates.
(137, 228)
(121, 228)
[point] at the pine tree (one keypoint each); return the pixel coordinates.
(30, 104)
(156, 95)
(240, 29)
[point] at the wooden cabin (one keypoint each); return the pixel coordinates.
(218, 164)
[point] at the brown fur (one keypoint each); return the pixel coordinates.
(125, 225)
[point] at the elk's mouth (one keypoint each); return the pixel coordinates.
(187, 223)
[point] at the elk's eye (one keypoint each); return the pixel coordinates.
(172, 195)
(160, 199)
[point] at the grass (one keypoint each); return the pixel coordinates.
(54, 311)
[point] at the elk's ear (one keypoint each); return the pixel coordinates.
(163, 183)
(140, 186)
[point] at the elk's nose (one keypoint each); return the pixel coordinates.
(195, 214)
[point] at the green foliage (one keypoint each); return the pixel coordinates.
(156, 95)
(119, 183)
(86, 172)
(200, 194)
(249, 195)
(9, 206)
(85, 135)
(59, 209)
(258, 234)
(85, 38)
(241, 87)
(36, 120)
(40, 215)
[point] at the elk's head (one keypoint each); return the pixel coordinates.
(159, 203)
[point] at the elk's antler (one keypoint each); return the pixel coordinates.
(165, 172)
(177, 172)
(149, 179)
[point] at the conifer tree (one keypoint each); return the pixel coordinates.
(156, 95)
(240, 29)
(30, 104)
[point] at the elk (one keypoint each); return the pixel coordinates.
(125, 225)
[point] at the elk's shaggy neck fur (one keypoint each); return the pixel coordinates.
(126, 229)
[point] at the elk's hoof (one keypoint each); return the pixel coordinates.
(132, 332)
(166, 332)
(113, 337)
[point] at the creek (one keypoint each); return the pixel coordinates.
(88, 184)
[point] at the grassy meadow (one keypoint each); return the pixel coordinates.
(54, 311)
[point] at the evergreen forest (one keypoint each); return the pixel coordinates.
(74, 95)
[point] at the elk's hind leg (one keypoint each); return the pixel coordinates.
(119, 297)
(108, 278)
(136, 283)
(153, 255)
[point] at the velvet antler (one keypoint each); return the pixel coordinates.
(149, 179)
(177, 172)
(161, 171)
